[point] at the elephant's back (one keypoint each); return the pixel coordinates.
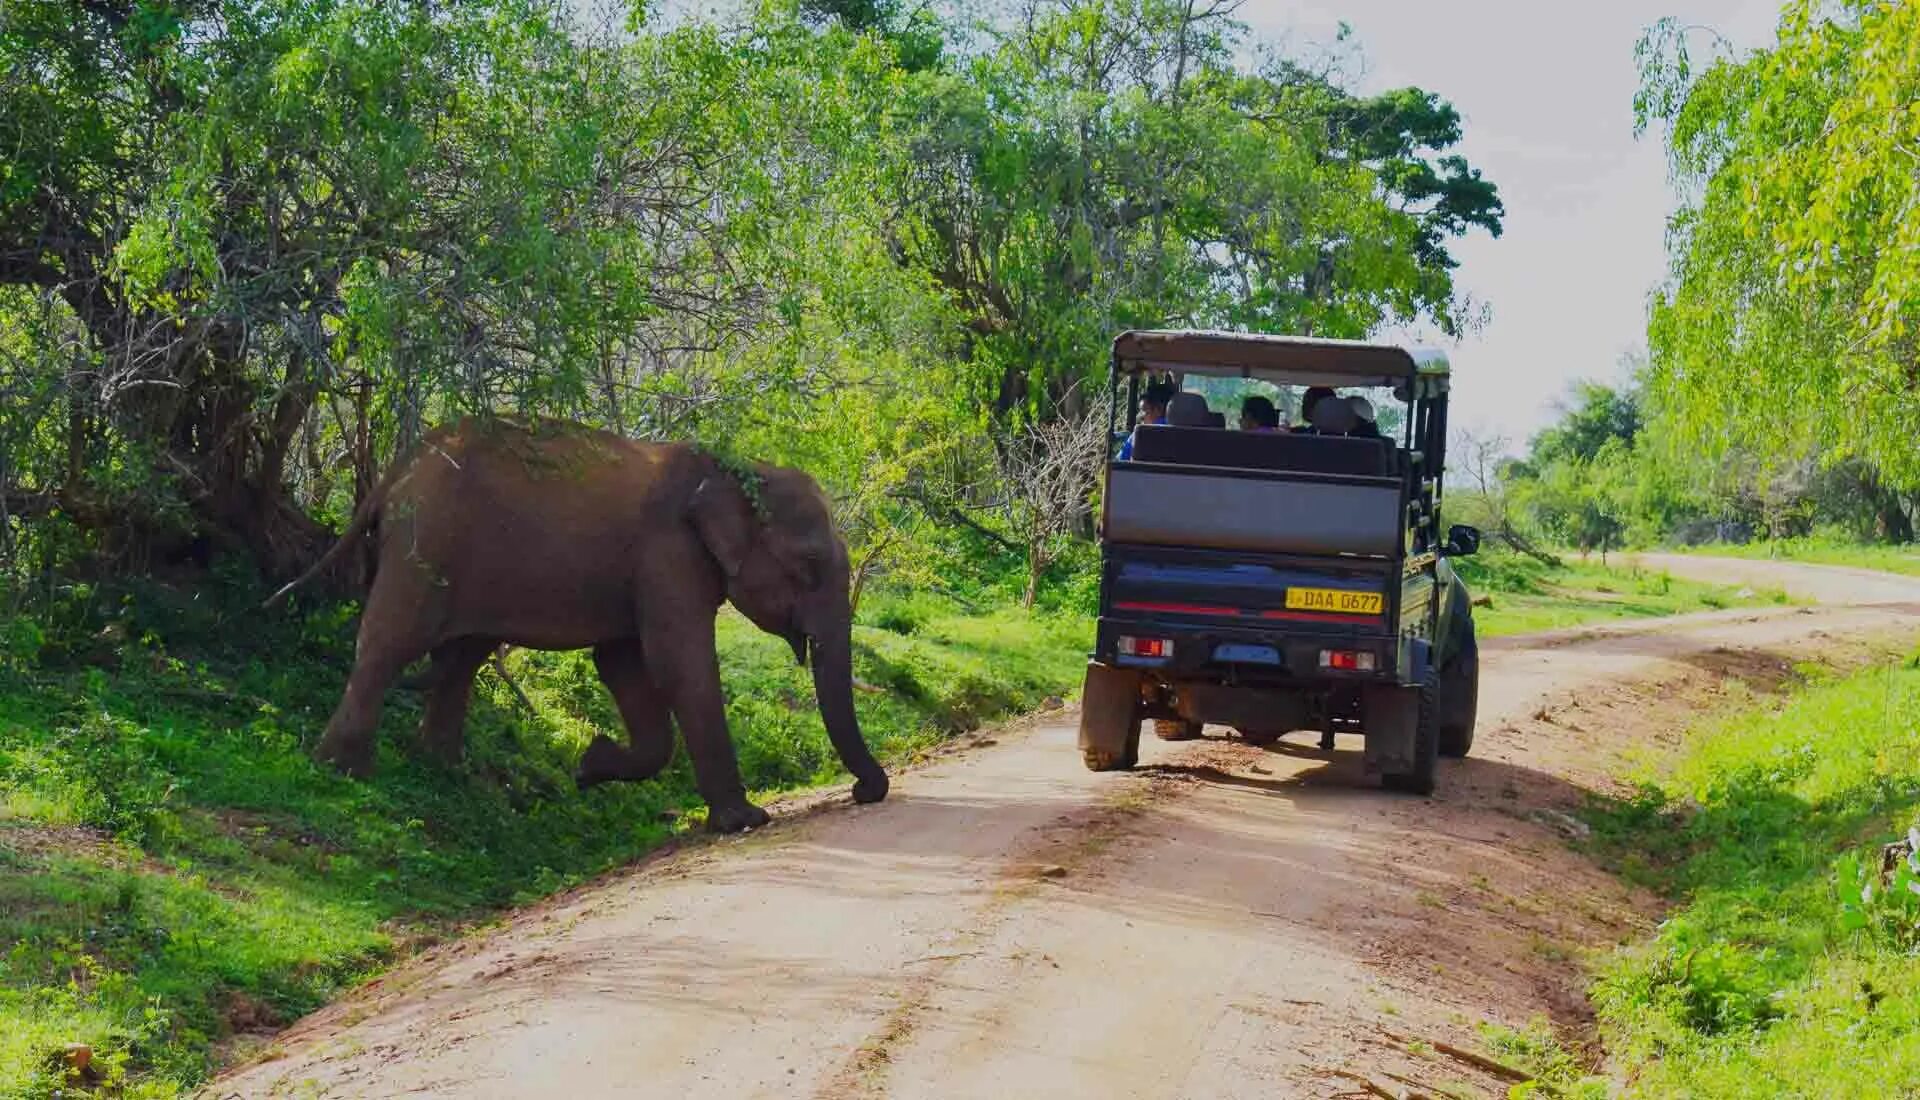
(540, 466)
(543, 525)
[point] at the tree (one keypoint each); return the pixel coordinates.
(1598, 415)
(1114, 163)
(1483, 496)
(1789, 319)
(1050, 471)
(264, 223)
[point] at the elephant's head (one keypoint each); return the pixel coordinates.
(786, 570)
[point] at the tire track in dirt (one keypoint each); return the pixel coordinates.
(1224, 921)
(1061, 851)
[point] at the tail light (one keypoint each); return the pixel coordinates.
(1346, 660)
(1145, 647)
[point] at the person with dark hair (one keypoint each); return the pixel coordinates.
(1313, 397)
(1257, 414)
(1153, 410)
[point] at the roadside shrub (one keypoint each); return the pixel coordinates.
(1879, 893)
(111, 777)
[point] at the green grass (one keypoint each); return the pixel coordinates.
(1527, 596)
(173, 867)
(1778, 972)
(1822, 551)
(1557, 1072)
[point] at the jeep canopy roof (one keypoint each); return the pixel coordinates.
(1290, 359)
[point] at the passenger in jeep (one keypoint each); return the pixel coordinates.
(1310, 401)
(1257, 414)
(1153, 410)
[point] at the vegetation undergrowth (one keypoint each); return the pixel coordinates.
(1557, 1071)
(1790, 964)
(1823, 550)
(174, 870)
(1521, 595)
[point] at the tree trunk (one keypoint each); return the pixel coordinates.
(1895, 525)
(1036, 565)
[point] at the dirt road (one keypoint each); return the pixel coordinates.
(1225, 921)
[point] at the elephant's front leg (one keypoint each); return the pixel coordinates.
(688, 669)
(622, 666)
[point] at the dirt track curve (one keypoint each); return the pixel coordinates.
(1224, 921)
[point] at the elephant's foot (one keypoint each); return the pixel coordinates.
(352, 756)
(735, 818)
(605, 760)
(871, 788)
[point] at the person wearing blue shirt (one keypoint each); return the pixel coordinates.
(1153, 410)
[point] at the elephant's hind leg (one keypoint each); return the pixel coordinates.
(622, 667)
(443, 730)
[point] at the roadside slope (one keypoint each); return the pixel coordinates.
(1224, 921)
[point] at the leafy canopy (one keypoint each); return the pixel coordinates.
(1788, 323)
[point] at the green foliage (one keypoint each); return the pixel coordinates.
(1786, 327)
(1788, 959)
(1556, 1071)
(1620, 468)
(173, 867)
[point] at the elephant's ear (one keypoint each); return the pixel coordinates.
(719, 512)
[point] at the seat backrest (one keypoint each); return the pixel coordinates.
(1334, 416)
(1280, 451)
(1188, 410)
(1168, 505)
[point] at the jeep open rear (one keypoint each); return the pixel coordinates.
(1278, 581)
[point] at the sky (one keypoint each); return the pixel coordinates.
(1545, 89)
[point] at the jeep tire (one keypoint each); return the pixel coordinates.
(1426, 743)
(1459, 680)
(1110, 719)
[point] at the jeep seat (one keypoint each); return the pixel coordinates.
(1278, 451)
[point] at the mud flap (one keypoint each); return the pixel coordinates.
(1110, 718)
(1390, 717)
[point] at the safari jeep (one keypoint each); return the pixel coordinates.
(1283, 580)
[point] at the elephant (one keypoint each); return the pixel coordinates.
(551, 535)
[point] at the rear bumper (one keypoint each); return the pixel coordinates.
(1250, 654)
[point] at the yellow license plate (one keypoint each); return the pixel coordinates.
(1335, 600)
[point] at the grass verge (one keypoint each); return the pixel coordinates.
(1790, 964)
(1523, 596)
(176, 874)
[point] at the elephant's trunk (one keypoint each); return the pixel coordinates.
(833, 688)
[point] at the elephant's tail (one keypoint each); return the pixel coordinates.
(364, 519)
